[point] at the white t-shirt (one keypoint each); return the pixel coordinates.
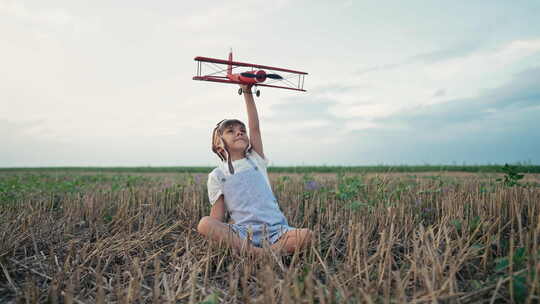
(215, 185)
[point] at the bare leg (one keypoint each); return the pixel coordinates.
(221, 232)
(290, 241)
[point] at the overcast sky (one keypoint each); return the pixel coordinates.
(109, 83)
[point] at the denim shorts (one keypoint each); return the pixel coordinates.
(260, 233)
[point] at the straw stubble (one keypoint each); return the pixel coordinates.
(377, 238)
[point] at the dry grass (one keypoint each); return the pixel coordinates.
(379, 238)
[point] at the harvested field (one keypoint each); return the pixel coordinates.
(397, 237)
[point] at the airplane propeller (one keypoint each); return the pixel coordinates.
(251, 75)
(274, 76)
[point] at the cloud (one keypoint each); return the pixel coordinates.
(25, 144)
(111, 83)
(475, 66)
(305, 107)
(496, 126)
(442, 77)
(53, 17)
(456, 51)
(522, 92)
(439, 93)
(304, 117)
(222, 15)
(436, 110)
(380, 67)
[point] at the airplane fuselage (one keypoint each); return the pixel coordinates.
(260, 76)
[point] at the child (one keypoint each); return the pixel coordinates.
(240, 185)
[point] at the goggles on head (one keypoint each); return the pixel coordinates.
(224, 122)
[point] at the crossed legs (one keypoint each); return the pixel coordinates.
(290, 241)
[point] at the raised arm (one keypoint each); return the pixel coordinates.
(253, 121)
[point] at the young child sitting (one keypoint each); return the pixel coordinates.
(240, 185)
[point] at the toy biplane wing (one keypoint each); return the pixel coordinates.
(253, 74)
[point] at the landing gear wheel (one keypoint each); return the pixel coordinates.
(240, 91)
(258, 93)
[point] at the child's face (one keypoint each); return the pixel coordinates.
(236, 138)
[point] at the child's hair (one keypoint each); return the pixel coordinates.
(217, 140)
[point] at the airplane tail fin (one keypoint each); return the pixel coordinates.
(229, 68)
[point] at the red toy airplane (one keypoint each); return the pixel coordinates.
(256, 74)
